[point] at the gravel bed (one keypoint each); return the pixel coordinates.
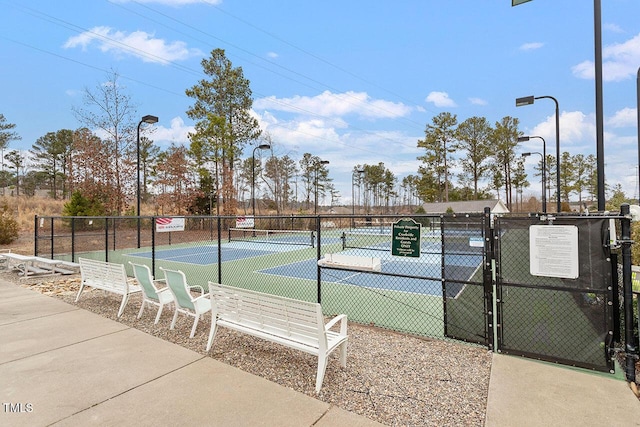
(393, 378)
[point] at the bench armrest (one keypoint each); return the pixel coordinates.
(343, 323)
(202, 296)
(200, 288)
(161, 284)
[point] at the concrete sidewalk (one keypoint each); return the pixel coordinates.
(524, 392)
(61, 365)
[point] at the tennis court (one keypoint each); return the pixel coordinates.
(280, 258)
(421, 275)
(418, 275)
(406, 295)
(208, 254)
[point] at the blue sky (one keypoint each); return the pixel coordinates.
(353, 82)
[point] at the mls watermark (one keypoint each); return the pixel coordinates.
(17, 408)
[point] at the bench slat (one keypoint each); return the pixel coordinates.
(292, 320)
(108, 276)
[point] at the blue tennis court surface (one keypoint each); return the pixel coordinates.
(428, 267)
(208, 254)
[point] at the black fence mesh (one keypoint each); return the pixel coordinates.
(438, 292)
(441, 287)
(561, 319)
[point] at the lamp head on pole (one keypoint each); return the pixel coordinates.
(523, 138)
(264, 146)
(150, 119)
(525, 100)
(526, 154)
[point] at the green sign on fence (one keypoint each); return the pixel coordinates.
(406, 238)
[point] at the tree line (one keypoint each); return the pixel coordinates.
(491, 154)
(96, 166)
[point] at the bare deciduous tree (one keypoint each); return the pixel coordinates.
(110, 113)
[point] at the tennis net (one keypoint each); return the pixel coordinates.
(456, 242)
(377, 241)
(285, 237)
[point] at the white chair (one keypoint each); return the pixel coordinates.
(151, 294)
(185, 302)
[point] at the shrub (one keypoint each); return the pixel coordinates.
(82, 206)
(8, 225)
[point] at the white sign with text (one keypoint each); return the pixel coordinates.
(553, 251)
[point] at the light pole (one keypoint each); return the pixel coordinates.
(544, 168)
(544, 207)
(321, 162)
(638, 110)
(597, 32)
(149, 120)
(528, 100)
(264, 146)
(353, 199)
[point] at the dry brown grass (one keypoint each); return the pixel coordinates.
(25, 209)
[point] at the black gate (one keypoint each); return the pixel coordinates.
(466, 277)
(554, 298)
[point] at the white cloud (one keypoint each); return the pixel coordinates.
(440, 99)
(614, 28)
(329, 104)
(72, 93)
(177, 133)
(531, 46)
(296, 135)
(319, 136)
(138, 43)
(272, 55)
(478, 101)
(576, 128)
(623, 118)
(619, 62)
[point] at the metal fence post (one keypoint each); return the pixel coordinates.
(219, 250)
(106, 239)
(35, 236)
(631, 346)
(73, 239)
(153, 245)
(318, 256)
(52, 234)
(487, 276)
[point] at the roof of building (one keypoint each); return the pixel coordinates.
(470, 206)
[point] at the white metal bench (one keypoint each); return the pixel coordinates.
(108, 276)
(292, 323)
(62, 267)
(30, 264)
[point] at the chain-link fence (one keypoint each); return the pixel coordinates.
(435, 292)
(555, 295)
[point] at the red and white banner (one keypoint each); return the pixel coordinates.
(169, 224)
(245, 222)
